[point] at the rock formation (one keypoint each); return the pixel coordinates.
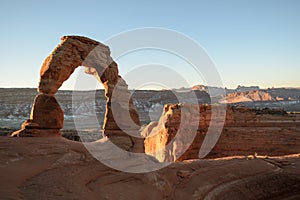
(253, 95)
(121, 117)
(246, 131)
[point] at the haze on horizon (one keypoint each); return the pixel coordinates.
(251, 42)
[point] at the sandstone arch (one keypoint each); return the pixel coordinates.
(46, 117)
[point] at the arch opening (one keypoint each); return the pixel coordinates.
(82, 99)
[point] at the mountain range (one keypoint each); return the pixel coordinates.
(15, 103)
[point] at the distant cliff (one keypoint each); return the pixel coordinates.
(255, 95)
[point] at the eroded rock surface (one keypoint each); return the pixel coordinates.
(62, 169)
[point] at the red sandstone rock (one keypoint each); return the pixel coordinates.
(28, 124)
(246, 131)
(46, 112)
(32, 132)
(46, 118)
(72, 52)
(65, 169)
(65, 58)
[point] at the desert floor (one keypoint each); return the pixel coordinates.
(57, 168)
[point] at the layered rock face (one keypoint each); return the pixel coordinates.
(121, 123)
(254, 95)
(246, 132)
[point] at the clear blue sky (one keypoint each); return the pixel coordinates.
(252, 42)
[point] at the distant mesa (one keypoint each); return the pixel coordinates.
(199, 87)
(247, 88)
(249, 93)
(248, 96)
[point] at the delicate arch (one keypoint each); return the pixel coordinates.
(72, 52)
